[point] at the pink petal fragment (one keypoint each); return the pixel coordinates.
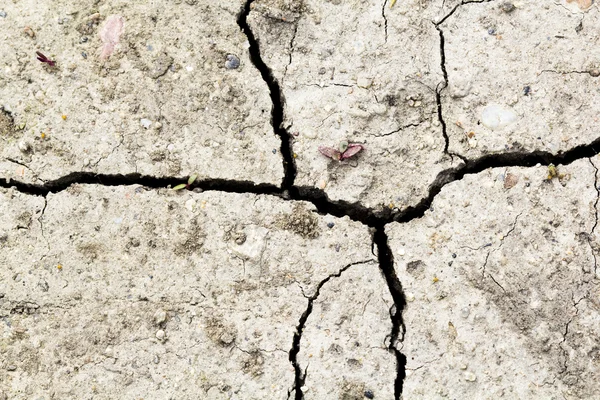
(353, 148)
(110, 34)
(331, 153)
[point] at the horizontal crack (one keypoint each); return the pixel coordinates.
(318, 197)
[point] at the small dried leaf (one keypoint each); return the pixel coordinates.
(331, 153)
(192, 179)
(180, 186)
(353, 148)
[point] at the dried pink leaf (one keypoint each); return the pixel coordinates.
(353, 148)
(331, 153)
(110, 34)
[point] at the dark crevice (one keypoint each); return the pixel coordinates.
(443, 85)
(386, 264)
(513, 159)
(300, 376)
(318, 197)
(385, 21)
(440, 88)
(277, 98)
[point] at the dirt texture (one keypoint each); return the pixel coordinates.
(299, 199)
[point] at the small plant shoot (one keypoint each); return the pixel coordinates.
(187, 185)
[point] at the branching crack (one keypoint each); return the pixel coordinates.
(300, 376)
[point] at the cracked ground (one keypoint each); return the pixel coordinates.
(454, 257)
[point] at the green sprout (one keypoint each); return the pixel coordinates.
(187, 185)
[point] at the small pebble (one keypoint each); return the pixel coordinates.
(24, 146)
(527, 90)
(145, 123)
(156, 359)
(274, 151)
(83, 54)
(491, 31)
(2, 14)
(369, 394)
(464, 312)
(160, 316)
(83, 39)
(595, 72)
(453, 255)
(232, 62)
(508, 7)
(11, 368)
(330, 225)
(470, 377)
(86, 162)
(160, 334)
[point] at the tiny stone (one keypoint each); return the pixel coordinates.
(508, 7)
(274, 151)
(330, 225)
(24, 146)
(595, 72)
(11, 368)
(160, 316)
(160, 334)
(86, 162)
(369, 394)
(2, 14)
(145, 123)
(364, 82)
(526, 90)
(83, 39)
(156, 359)
(464, 312)
(470, 377)
(491, 31)
(83, 54)
(453, 255)
(232, 62)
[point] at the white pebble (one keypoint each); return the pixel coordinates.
(145, 123)
(160, 316)
(495, 117)
(24, 146)
(160, 334)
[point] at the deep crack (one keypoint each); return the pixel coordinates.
(386, 264)
(277, 98)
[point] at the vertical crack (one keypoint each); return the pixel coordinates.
(292, 45)
(277, 98)
(443, 85)
(300, 376)
(386, 264)
(590, 235)
(385, 21)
